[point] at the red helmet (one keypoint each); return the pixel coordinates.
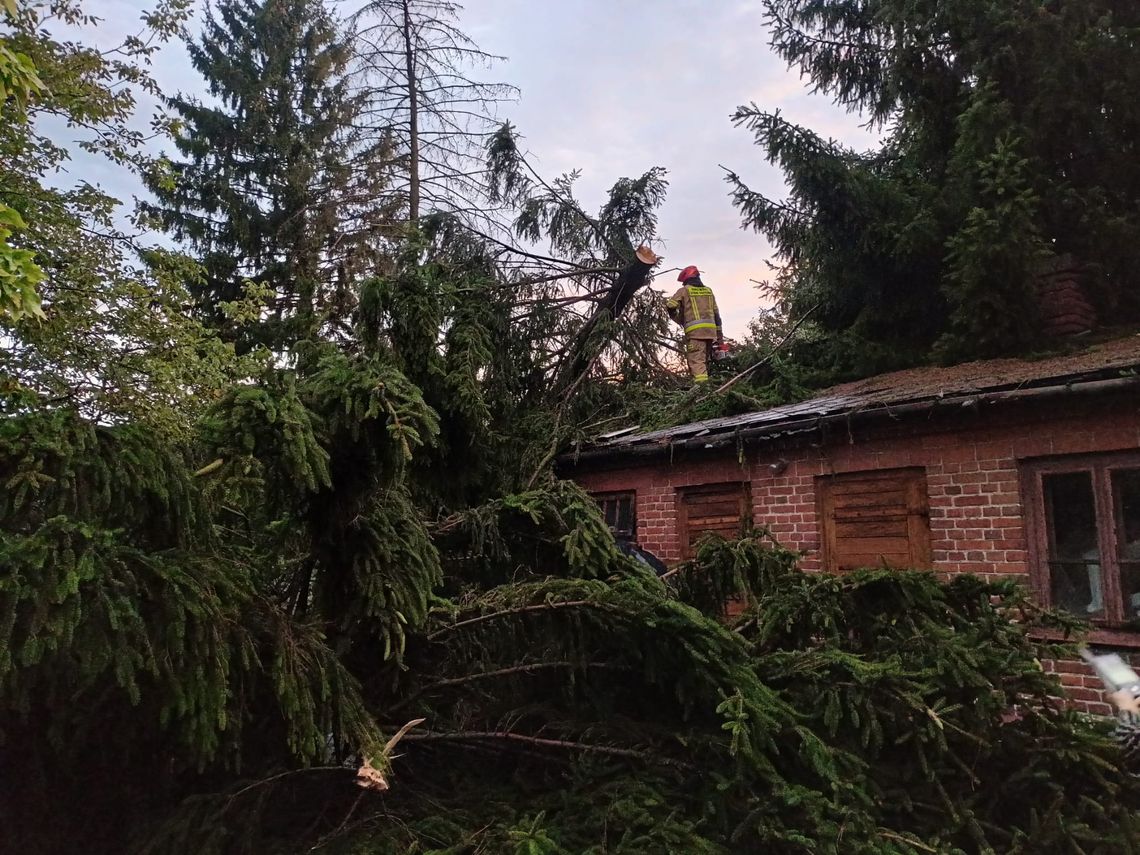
(688, 273)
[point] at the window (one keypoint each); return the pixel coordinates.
(1083, 519)
(620, 511)
(875, 518)
(724, 509)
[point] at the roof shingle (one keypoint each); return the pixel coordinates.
(931, 385)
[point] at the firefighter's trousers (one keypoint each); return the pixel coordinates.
(698, 352)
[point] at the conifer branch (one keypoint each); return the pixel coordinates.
(561, 744)
(768, 357)
(528, 668)
(280, 776)
(544, 607)
(513, 669)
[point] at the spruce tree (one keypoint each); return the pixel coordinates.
(276, 185)
(1010, 136)
(204, 634)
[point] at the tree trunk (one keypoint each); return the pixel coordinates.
(580, 356)
(413, 119)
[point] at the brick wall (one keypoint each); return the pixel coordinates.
(1082, 686)
(971, 462)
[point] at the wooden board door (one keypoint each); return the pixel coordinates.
(724, 509)
(874, 518)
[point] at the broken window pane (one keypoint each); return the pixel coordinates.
(1126, 510)
(1074, 548)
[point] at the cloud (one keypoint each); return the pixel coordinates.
(615, 88)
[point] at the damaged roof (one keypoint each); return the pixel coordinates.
(1112, 364)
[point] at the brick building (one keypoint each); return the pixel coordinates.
(1029, 469)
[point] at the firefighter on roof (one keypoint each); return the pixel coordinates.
(694, 308)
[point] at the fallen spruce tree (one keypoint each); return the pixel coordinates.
(358, 569)
(200, 664)
(233, 589)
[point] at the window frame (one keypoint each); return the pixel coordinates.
(912, 479)
(1100, 466)
(619, 496)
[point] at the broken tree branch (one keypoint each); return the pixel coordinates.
(541, 607)
(527, 668)
(633, 277)
(562, 744)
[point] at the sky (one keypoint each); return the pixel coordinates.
(615, 87)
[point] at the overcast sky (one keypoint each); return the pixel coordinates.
(614, 87)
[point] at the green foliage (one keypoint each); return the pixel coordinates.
(19, 274)
(1008, 131)
(570, 695)
(1000, 239)
(723, 571)
(445, 322)
(275, 183)
(112, 337)
(877, 712)
(557, 525)
(224, 580)
(320, 461)
(945, 700)
(129, 635)
(618, 335)
(18, 78)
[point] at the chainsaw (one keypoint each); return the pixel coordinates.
(721, 350)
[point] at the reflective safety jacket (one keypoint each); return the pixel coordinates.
(694, 308)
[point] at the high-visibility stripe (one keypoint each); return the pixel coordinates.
(700, 378)
(692, 308)
(700, 325)
(699, 290)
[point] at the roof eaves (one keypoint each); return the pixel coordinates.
(749, 432)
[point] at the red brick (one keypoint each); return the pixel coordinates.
(1110, 438)
(960, 454)
(971, 478)
(971, 501)
(1005, 522)
(1069, 666)
(1082, 694)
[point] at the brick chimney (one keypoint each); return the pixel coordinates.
(1065, 310)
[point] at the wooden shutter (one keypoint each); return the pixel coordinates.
(872, 518)
(725, 509)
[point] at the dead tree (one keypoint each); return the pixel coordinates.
(414, 67)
